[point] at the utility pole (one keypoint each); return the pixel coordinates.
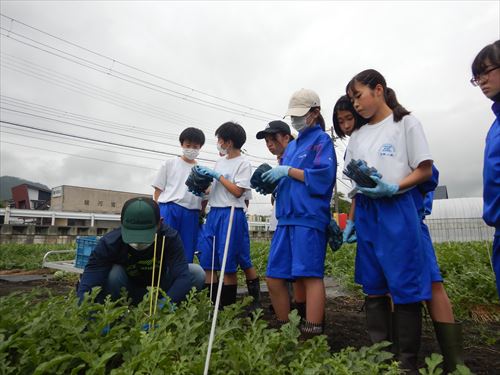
(335, 196)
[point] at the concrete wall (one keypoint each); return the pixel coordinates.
(39, 234)
(60, 234)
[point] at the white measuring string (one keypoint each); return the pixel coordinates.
(219, 290)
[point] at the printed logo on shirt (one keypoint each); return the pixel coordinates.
(387, 150)
(302, 156)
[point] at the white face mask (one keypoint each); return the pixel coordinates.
(221, 150)
(299, 123)
(190, 153)
(139, 246)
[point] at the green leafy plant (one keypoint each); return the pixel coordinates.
(28, 256)
(58, 336)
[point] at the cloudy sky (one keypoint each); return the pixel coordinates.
(96, 93)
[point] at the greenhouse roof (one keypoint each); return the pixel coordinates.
(457, 208)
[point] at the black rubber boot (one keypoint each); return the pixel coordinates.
(309, 330)
(449, 336)
(228, 295)
(407, 332)
(254, 291)
(215, 287)
(379, 318)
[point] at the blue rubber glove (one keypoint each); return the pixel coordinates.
(105, 330)
(383, 189)
(349, 235)
(146, 327)
(209, 172)
(275, 174)
(162, 302)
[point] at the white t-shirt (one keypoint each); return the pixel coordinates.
(395, 149)
(236, 170)
(171, 179)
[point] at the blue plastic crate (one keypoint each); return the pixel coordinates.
(84, 247)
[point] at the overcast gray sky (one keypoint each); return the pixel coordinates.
(253, 55)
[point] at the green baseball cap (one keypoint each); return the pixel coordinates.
(139, 218)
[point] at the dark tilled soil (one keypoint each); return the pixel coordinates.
(345, 326)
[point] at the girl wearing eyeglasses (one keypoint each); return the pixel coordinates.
(486, 75)
(390, 258)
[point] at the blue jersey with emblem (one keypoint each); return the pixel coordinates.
(491, 173)
(308, 203)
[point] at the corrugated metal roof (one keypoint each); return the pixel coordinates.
(457, 208)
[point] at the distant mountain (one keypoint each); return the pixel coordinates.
(7, 182)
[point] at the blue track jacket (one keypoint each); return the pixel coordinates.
(491, 174)
(138, 264)
(308, 203)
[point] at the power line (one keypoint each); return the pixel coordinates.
(86, 119)
(115, 61)
(128, 78)
(101, 130)
(100, 141)
(49, 75)
(31, 132)
(99, 93)
(76, 156)
(91, 120)
(96, 129)
(93, 140)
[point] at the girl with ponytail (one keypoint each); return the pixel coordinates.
(390, 258)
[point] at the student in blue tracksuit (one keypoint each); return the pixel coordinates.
(448, 332)
(486, 75)
(390, 258)
(306, 180)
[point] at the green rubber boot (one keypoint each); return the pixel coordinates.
(378, 318)
(449, 337)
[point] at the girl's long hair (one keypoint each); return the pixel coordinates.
(372, 78)
(319, 120)
(344, 104)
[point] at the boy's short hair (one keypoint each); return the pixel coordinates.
(273, 128)
(232, 131)
(193, 135)
(491, 52)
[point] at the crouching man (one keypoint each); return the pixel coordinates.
(123, 258)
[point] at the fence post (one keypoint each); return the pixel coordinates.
(6, 218)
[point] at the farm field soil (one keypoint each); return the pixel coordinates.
(345, 326)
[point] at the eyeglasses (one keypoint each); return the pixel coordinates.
(477, 79)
